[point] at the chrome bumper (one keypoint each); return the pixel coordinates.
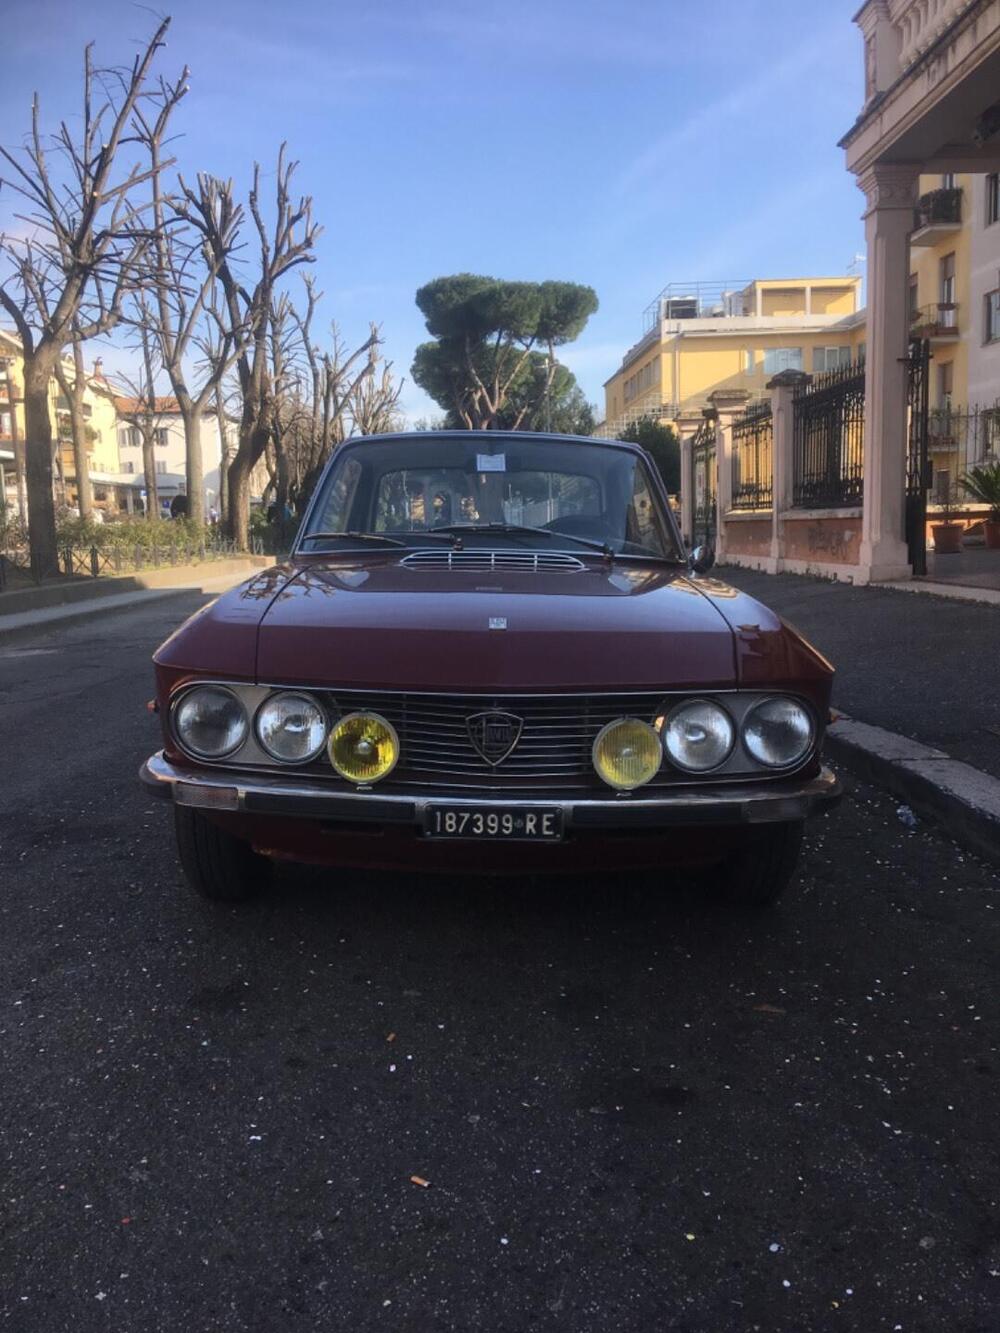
(263, 794)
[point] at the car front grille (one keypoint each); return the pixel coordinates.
(552, 753)
(517, 561)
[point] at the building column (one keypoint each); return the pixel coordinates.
(783, 388)
(890, 191)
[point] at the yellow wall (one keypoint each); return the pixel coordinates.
(691, 365)
(924, 262)
(102, 420)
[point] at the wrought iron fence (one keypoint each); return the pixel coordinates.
(753, 443)
(828, 464)
(93, 561)
(703, 457)
(959, 438)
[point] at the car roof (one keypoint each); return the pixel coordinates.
(493, 436)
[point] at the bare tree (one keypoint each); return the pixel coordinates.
(186, 275)
(74, 394)
(375, 401)
(87, 245)
(284, 244)
(140, 407)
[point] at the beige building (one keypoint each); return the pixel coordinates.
(731, 337)
(101, 423)
(932, 108)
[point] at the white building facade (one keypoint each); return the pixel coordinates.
(171, 454)
(984, 291)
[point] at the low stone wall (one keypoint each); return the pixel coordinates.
(748, 535)
(821, 537)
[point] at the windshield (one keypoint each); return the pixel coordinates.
(484, 490)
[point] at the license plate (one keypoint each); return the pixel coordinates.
(505, 825)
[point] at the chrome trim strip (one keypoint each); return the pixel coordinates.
(737, 803)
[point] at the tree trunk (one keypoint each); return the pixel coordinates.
(194, 466)
(84, 491)
(149, 469)
(239, 499)
(224, 460)
(38, 458)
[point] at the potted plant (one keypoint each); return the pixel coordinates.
(983, 484)
(947, 533)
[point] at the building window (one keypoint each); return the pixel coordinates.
(161, 465)
(777, 359)
(129, 467)
(162, 436)
(947, 180)
(993, 316)
(945, 383)
(993, 198)
(946, 280)
(830, 358)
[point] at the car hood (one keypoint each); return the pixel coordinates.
(374, 623)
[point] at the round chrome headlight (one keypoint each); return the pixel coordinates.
(627, 753)
(210, 722)
(291, 727)
(778, 732)
(363, 747)
(698, 735)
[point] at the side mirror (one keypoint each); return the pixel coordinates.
(701, 559)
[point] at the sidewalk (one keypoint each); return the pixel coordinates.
(65, 602)
(924, 667)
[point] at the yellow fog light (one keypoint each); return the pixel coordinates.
(363, 747)
(627, 753)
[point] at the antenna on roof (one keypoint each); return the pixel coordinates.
(854, 267)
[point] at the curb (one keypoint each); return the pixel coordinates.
(21, 624)
(163, 577)
(963, 799)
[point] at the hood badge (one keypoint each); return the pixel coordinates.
(498, 622)
(494, 734)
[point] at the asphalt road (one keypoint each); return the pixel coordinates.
(635, 1111)
(914, 663)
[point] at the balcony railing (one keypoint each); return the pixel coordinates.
(939, 320)
(941, 209)
(920, 22)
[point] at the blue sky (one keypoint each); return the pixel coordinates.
(620, 147)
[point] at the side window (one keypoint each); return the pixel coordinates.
(643, 526)
(341, 497)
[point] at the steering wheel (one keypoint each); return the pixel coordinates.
(580, 525)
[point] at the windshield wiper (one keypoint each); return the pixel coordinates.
(358, 536)
(515, 528)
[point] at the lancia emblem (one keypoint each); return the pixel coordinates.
(494, 734)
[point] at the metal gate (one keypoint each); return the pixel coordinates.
(703, 457)
(918, 472)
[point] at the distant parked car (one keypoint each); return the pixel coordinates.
(490, 652)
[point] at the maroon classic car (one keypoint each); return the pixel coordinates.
(490, 652)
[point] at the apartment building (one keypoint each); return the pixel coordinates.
(733, 337)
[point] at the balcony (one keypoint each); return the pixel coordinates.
(938, 322)
(937, 214)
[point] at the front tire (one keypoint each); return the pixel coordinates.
(760, 870)
(217, 865)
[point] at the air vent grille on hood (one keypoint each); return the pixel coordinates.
(528, 562)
